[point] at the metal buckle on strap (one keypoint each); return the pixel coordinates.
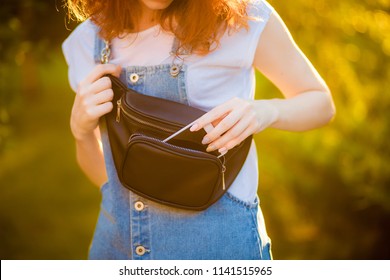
(105, 53)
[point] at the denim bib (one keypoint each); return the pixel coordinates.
(132, 227)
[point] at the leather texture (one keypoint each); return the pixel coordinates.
(179, 173)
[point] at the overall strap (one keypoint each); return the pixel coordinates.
(102, 50)
(102, 53)
(177, 50)
(100, 46)
(175, 46)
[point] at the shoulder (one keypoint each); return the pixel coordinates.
(259, 13)
(78, 50)
(83, 36)
(259, 9)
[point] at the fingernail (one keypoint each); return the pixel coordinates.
(194, 127)
(222, 151)
(210, 148)
(205, 140)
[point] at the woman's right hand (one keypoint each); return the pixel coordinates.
(93, 100)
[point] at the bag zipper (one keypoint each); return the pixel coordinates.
(223, 172)
(223, 169)
(121, 109)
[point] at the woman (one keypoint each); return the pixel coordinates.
(217, 44)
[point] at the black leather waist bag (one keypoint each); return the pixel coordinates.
(179, 172)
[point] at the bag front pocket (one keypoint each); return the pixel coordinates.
(171, 174)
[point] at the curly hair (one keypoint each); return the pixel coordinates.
(197, 24)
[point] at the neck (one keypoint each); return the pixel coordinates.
(147, 19)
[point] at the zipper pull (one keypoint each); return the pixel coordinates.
(118, 110)
(223, 177)
(223, 174)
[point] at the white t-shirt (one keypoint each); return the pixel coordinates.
(211, 80)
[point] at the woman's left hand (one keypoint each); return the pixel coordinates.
(234, 121)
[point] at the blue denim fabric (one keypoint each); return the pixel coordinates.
(229, 229)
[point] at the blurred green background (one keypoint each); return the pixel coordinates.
(325, 193)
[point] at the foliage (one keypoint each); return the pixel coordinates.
(325, 194)
(29, 30)
(333, 183)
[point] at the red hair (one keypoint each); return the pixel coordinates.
(198, 24)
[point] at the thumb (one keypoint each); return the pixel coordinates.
(117, 71)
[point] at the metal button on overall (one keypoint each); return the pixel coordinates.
(175, 70)
(139, 206)
(140, 250)
(134, 77)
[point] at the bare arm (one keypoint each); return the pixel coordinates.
(90, 157)
(93, 100)
(308, 103)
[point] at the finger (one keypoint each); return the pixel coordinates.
(100, 110)
(227, 123)
(105, 108)
(236, 131)
(236, 141)
(97, 86)
(102, 97)
(101, 70)
(217, 121)
(213, 115)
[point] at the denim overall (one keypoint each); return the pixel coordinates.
(132, 227)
